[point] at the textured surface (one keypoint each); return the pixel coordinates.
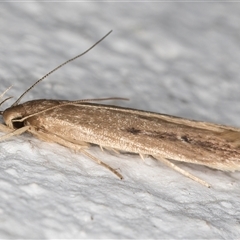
(181, 59)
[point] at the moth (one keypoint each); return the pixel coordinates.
(79, 124)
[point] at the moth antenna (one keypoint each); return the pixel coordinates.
(2, 102)
(68, 103)
(61, 65)
(1, 112)
(5, 91)
(100, 99)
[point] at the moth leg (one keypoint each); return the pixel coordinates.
(102, 164)
(4, 128)
(79, 146)
(109, 149)
(115, 150)
(143, 156)
(13, 132)
(112, 149)
(182, 171)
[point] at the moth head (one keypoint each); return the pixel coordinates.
(10, 115)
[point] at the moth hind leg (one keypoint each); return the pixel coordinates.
(76, 146)
(182, 171)
(102, 164)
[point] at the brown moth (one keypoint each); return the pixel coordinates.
(78, 124)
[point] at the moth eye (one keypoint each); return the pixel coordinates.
(17, 125)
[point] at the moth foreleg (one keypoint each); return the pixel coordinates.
(6, 129)
(11, 132)
(182, 171)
